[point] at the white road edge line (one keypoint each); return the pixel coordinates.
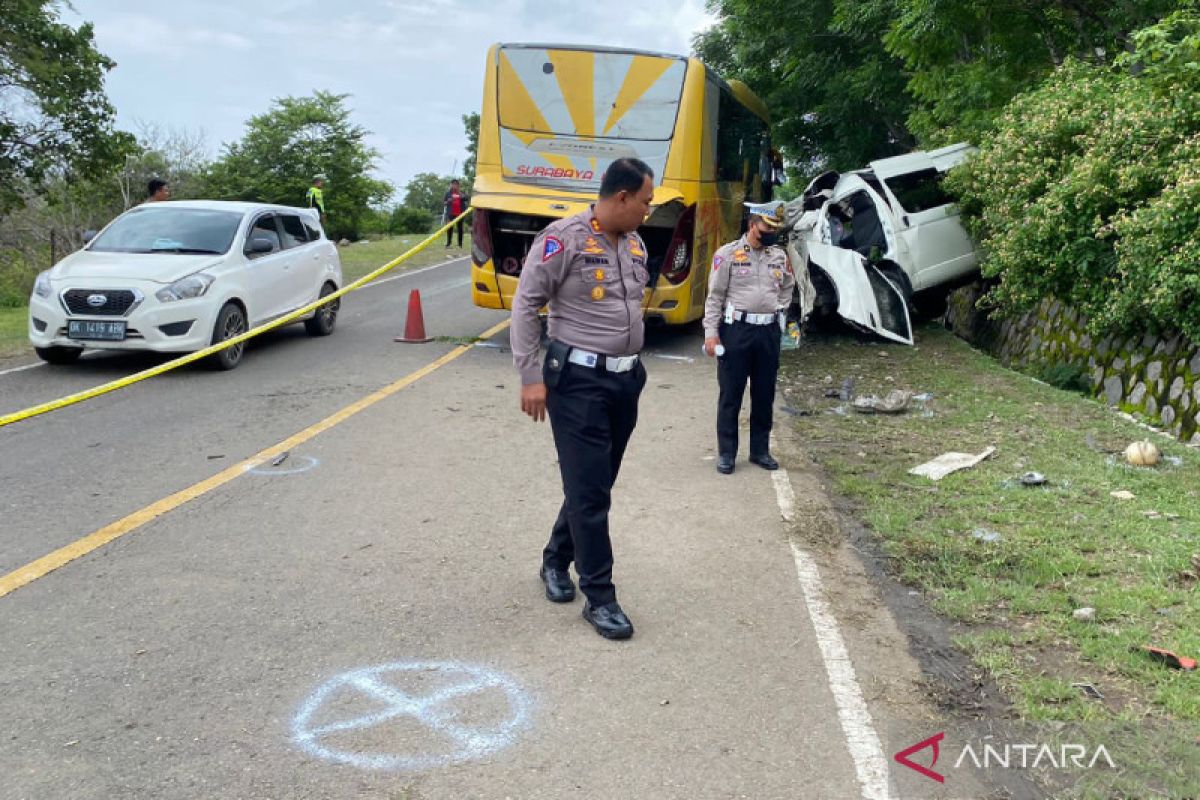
(870, 764)
(4, 372)
(382, 281)
(21, 369)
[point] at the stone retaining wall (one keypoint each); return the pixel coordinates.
(1156, 378)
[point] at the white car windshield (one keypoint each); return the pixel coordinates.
(186, 231)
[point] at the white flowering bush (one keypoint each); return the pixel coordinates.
(1089, 188)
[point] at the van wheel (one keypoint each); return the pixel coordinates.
(325, 317)
(931, 304)
(58, 355)
(231, 322)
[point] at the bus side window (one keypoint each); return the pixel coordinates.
(741, 143)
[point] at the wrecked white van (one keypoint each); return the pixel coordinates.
(881, 242)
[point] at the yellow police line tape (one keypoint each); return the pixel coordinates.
(121, 383)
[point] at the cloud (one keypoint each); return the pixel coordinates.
(412, 67)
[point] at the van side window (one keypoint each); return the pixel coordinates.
(918, 191)
(294, 234)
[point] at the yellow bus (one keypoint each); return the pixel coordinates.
(555, 116)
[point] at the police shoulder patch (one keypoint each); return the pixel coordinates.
(717, 262)
(552, 247)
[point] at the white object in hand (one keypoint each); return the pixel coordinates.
(719, 350)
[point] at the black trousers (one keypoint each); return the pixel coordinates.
(751, 352)
(450, 233)
(592, 413)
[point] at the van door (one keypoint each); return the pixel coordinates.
(938, 249)
(866, 297)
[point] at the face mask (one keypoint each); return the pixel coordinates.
(768, 239)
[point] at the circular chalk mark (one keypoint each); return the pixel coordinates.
(432, 712)
(293, 466)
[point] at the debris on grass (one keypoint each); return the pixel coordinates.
(947, 463)
(987, 535)
(894, 402)
(1143, 454)
(1033, 479)
(1123, 494)
(1089, 690)
(1170, 659)
(279, 459)
(1085, 614)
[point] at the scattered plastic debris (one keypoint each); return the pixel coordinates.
(894, 402)
(1172, 660)
(833, 393)
(987, 535)
(1088, 690)
(1085, 614)
(923, 397)
(847, 389)
(1174, 461)
(839, 410)
(215, 456)
(796, 412)
(1159, 515)
(1123, 494)
(1033, 479)
(946, 463)
(279, 459)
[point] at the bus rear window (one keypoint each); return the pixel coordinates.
(589, 93)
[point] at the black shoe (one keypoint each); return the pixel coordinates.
(725, 464)
(608, 620)
(559, 588)
(765, 461)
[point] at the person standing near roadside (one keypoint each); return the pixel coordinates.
(749, 291)
(453, 204)
(315, 196)
(591, 271)
(158, 190)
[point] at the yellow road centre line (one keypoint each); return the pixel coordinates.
(81, 547)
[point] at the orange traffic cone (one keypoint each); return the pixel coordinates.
(414, 326)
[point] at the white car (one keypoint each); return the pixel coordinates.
(175, 277)
(882, 240)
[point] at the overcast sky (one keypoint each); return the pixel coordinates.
(412, 67)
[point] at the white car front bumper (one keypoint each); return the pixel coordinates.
(150, 324)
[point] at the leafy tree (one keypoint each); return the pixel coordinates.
(471, 124)
(1089, 188)
(837, 97)
(54, 115)
(425, 192)
(298, 138)
(967, 59)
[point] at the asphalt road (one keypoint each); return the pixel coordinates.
(365, 620)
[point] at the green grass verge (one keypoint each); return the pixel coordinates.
(14, 337)
(360, 259)
(1063, 546)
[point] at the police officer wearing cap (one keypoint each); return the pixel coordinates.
(749, 291)
(590, 269)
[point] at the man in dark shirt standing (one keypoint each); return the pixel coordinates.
(591, 270)
(454, 203)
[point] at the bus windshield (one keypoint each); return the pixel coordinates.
(566, 114)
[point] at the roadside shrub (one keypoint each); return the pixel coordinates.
(1089, 189)
(406, 219)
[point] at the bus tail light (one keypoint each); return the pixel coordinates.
(677, 262)
(481, 237)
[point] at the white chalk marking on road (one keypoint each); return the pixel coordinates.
(870, 765)
(410, 273)
(435, 712)
(301, 464)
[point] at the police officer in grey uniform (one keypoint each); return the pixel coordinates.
(749, 291)
(591, 270)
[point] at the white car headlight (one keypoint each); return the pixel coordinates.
(41, 286)
(185, 288)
